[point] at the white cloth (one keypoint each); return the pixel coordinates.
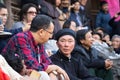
(8, 70)
(44, 76)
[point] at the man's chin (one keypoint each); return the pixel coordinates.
(67, 52)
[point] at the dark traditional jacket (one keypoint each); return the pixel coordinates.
(75, 70)
(90, 59)
(93, 62)
(115, 26)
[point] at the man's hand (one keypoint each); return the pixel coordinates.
(117, 15)
(61, 71)
(108, 63)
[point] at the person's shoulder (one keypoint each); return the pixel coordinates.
(72, 13)
(100, 13)
(17, 25)
(23, 34)
(54, 56)
(78, 47)
(19, 22)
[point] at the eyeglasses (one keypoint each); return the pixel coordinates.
(31, 12)
(4, 15)
(48, 31)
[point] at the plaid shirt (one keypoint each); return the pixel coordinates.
(34, 55)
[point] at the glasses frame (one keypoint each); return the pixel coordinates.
(31, 12)
(48, 31)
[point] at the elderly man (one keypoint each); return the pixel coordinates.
(66, 42)
(30, 44)
(90, 56)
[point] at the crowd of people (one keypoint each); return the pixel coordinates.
(54, 40)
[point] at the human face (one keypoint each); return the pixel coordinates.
(3, 15)
(46, 33)
(58, 2)
(73, 26)
(76, 6)
(31, 13)
(83, 2)
(25, 71)
(105, 7)
(24, 68)
(87, 42)
(116, 43)
(66, 44)
(101, 32)
(65, 3)
(106, 38)
(96, 37)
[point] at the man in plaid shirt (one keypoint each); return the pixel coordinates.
(30, 45)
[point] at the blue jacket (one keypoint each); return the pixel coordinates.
(102, 20)
(90, 59)
(85, 21)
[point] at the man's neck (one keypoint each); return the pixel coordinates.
(36, 37)
(86, 47)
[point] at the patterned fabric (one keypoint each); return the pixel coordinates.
(33, 54)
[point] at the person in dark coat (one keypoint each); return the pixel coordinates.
(78, 16)
(75, 70)
(115, 24)
(90, 57)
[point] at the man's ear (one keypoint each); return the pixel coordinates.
(40, 32)
(82, 41)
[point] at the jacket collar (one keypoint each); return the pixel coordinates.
(63, 57)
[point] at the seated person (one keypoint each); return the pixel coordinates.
(70, 24)
(27, 13)
(106, 38)
(11, 74)
(105, 52)
(89, 56)
(31, 46)
(82, 22)
(66, 43)
(100, 30)
(50, 46)
(17, 63)
(104, 49)
(116, 43)
(3, 16)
